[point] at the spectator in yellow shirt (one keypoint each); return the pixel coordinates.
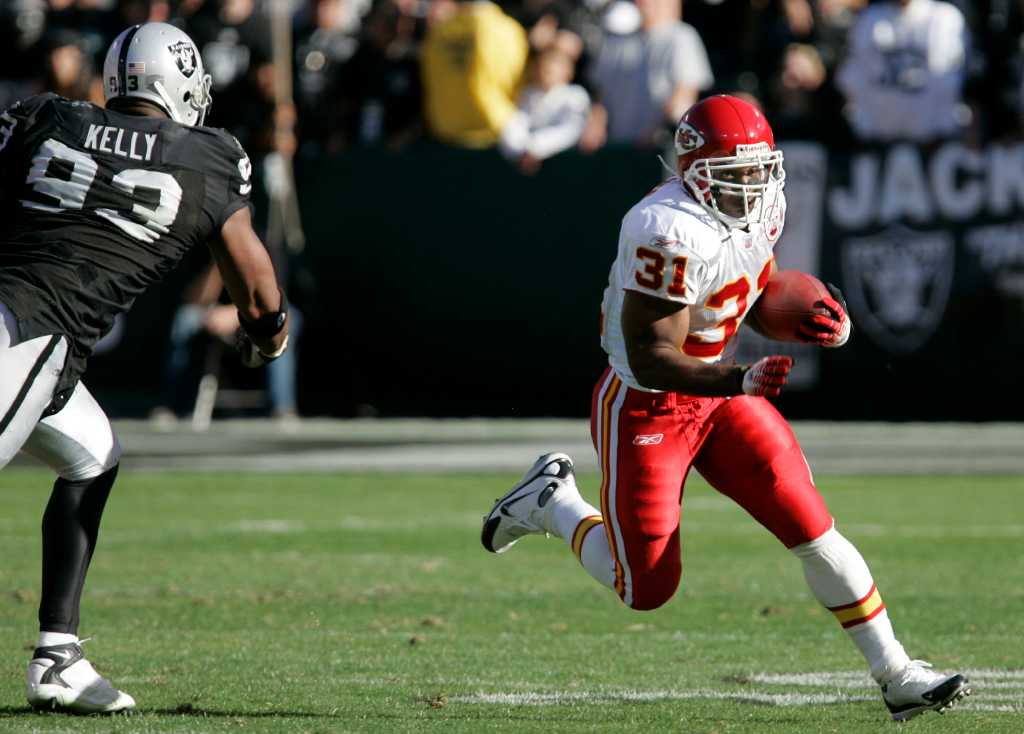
(472, 65)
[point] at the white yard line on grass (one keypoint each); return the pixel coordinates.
(565, 698)
(997, 691)
(604, 697)
(986, 677)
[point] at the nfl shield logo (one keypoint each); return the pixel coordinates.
(898, 283)
(184, 54)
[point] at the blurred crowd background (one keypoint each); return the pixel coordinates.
(535, 77)
(461, 168)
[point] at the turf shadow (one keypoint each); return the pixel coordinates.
(181, 711)
(198, 711)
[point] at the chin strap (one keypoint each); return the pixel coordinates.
(158, 87)
(672, 171)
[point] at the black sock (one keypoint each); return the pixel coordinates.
(70, 526)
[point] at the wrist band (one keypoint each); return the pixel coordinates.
(269, 325)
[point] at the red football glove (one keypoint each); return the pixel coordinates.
(828, 331)
(767, 376)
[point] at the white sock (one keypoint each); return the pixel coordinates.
(569, 509)
(842, 582)
(596, 556)
(879, 646)
(48, 639)
(579, 523)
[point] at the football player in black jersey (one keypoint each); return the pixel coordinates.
(97, 205)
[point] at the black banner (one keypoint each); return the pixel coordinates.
(448, 284)
(928, 246)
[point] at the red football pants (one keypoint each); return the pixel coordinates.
(646, 443)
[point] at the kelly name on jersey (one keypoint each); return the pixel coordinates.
(89, 190)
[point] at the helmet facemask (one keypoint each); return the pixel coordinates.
(738, 190)
(195, 102)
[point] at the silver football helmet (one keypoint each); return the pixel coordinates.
(159, 63)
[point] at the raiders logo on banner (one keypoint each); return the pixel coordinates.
(898, 284)
(184, 56)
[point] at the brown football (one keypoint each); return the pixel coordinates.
(786, 301)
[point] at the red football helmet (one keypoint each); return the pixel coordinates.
(728, 161)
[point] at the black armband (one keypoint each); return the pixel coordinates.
(269, 325)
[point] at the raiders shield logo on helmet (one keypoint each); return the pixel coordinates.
(687, 138)
(184, 54)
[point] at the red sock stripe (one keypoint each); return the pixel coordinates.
(862, 620)
(857, 603)
(863, 610)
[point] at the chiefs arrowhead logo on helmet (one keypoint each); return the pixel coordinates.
(687, 138)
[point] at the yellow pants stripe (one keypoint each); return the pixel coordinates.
(611, 392)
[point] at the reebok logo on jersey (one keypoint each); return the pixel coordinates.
(663, 242)
(648, 439)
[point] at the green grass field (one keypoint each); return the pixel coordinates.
(313, 603)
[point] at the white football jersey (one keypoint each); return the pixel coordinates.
(670, 247)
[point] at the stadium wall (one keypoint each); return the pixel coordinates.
(442, 282)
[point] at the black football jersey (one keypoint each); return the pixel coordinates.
(96, 206)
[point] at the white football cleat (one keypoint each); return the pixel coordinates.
(60, 678)
(526, 508)
(917, 689)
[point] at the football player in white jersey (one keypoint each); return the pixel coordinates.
(694, 254)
